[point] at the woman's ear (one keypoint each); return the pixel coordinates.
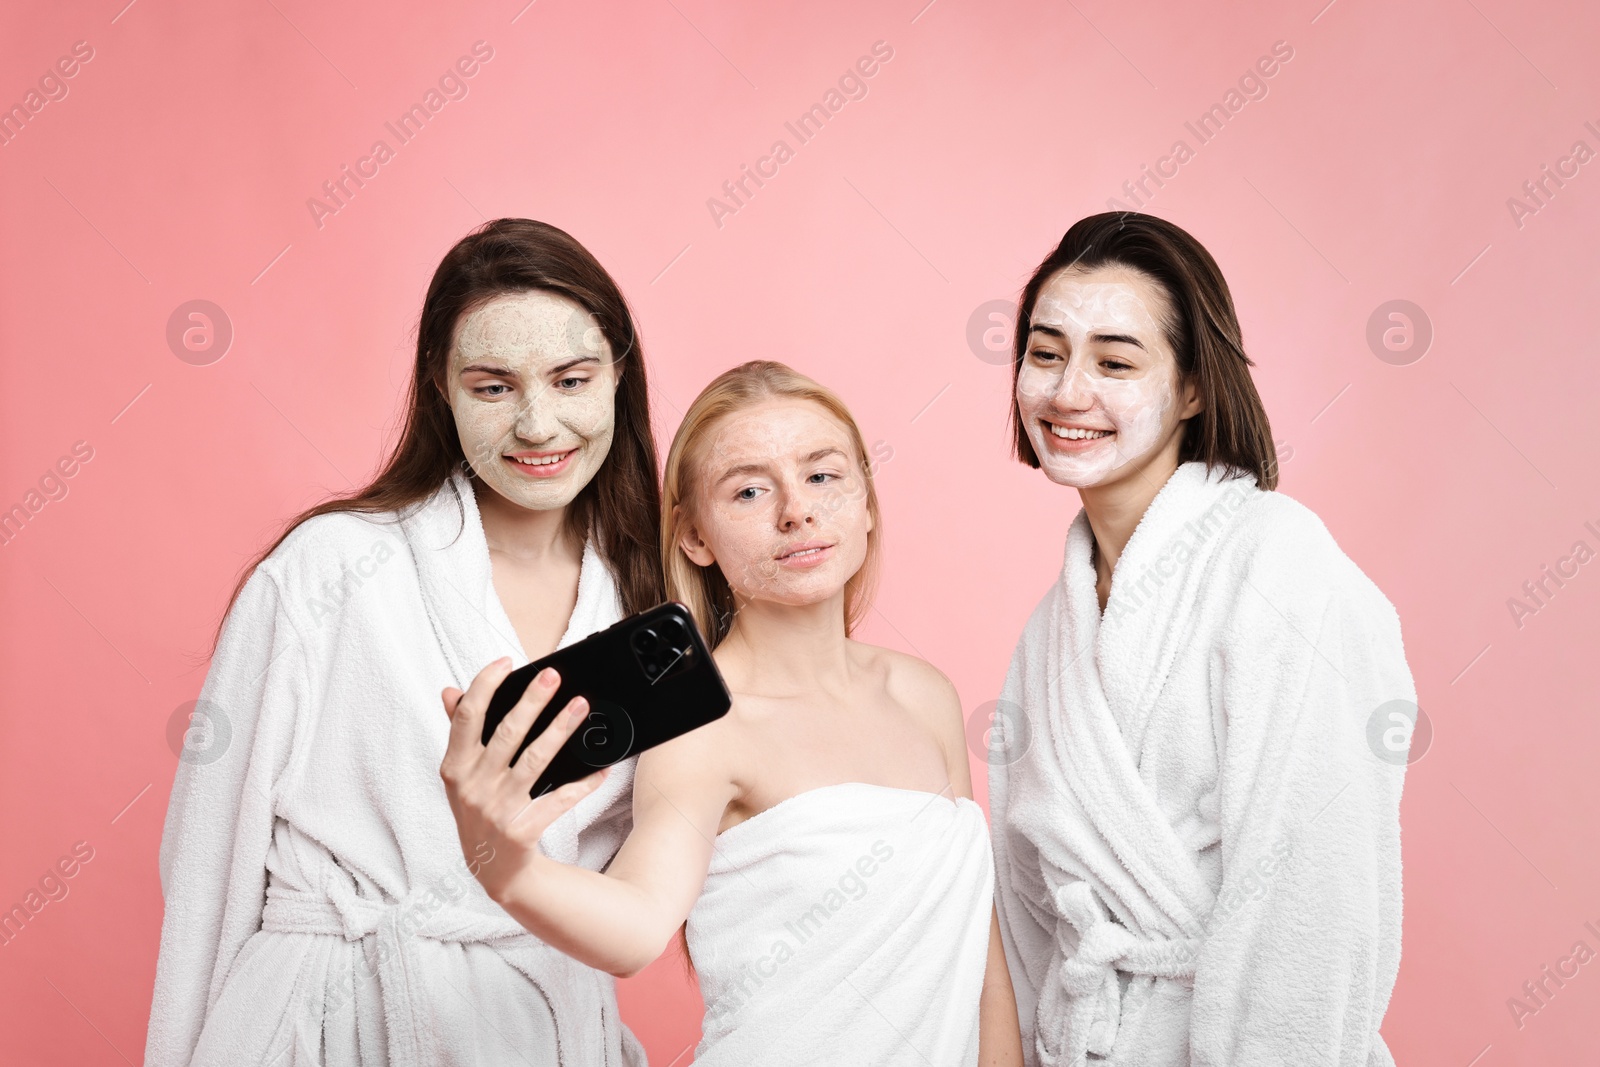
(1189, 396)
(693, 545)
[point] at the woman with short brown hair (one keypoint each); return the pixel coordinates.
(1197, 853)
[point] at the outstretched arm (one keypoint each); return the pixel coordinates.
(617, 921)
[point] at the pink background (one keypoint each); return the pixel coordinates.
(1378, 167)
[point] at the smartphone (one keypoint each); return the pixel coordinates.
(647, 679)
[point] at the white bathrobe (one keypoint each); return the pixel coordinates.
(318, 906)
(1197, 853)
(847, 926)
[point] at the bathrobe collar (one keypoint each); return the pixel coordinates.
(446, 537)
(452, 558)
(1102, 674)
(1137, 639)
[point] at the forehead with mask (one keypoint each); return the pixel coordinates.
(532, 386)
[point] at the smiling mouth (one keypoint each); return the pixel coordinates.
(541, 466)
(1077, 433)
(541, 461)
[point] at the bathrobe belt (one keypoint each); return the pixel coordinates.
(422, 913)
(1085, 977)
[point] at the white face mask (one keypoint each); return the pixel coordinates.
(1097, 389)
(532, 385)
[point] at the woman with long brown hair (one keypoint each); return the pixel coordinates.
(1196, 835)
(318, 908)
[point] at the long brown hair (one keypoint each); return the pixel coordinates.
(618, 504)
(1232, 430)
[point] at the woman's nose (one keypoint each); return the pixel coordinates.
(796, 511)
(536, 422)
(1075, 391)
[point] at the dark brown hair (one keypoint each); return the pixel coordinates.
(620, 505)
(1232, 430)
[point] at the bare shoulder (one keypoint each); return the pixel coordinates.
(918, 686)
(908, 677)
(924, 691)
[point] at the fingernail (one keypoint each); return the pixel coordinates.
(577, 707)
(546, 676)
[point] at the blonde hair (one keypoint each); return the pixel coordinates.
(705, 590)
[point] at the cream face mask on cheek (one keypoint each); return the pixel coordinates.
(539, 443)
(1085, 422)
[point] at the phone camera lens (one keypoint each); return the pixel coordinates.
(674, 633)
(646, 640)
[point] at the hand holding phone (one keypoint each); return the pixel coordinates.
(527, 745)
(489, 795)
(647, 679)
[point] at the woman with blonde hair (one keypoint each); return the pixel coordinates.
(819, 844)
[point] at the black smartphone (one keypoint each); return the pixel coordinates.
(647, 679)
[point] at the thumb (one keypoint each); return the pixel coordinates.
(450, 696)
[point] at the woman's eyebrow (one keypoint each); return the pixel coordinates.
(1117, 338)
(563, 367)
(741, 470)
(506, 372)
(761, 468)
(1103, 338)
